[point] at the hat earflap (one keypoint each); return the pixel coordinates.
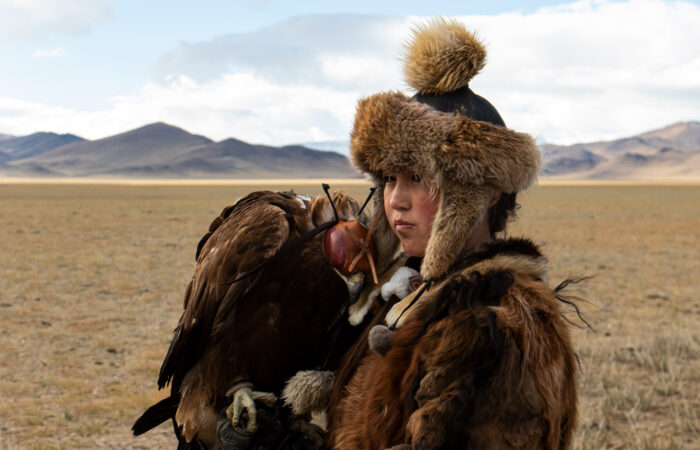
(461, 207)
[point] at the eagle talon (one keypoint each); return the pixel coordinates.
(244, 398)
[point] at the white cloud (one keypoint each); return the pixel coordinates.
(39, 19)
(242, 106)
(580, 72)
(593, 69)
(338, 51)
(57, 52)
(356, 70)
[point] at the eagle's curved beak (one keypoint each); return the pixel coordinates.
(354, 282)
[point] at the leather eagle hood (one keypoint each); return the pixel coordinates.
(445, 133)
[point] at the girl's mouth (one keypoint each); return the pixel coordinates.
(400, 225)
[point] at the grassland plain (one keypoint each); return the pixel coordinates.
(92, 278)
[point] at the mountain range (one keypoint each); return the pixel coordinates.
(667, 153)
(160, 150)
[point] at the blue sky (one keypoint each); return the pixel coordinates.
(114, 48)
(280, 72)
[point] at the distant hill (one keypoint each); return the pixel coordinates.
(240, 159)
(342, 147)
(669, 152)
(160, 150)
(34, 144)
(148, 145)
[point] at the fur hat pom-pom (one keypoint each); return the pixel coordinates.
(380, 339)
(308, 391)
(442, 57)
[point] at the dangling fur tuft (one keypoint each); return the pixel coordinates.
(380, 339)
(308, 391)
(442, 57)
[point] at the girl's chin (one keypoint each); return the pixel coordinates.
(412, 251)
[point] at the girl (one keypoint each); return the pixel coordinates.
(478, 355)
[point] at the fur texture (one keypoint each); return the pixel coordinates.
(400, 312)
(467, 159)
(400, 283)
(395, 133)
(442, 57)
(380, 339)
(485, 362)
(536, 265)
(308, 391)
(359, 310)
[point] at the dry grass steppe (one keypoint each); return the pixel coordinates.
(92, 278)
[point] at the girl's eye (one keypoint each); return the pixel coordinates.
(415, 178)
(389, 178)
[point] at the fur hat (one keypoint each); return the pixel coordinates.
(447, 134)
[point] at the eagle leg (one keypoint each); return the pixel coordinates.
(244, 398)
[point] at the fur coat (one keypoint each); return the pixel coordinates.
(483, 360)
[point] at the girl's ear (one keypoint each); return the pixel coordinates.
(494, 199)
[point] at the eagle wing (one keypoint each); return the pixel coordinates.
(243, 236)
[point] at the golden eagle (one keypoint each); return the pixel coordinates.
(263, 303)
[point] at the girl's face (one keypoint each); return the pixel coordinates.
(410, 208)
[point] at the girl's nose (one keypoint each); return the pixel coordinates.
(399, 198)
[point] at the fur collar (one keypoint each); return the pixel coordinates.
(512, 255)
(517, 248)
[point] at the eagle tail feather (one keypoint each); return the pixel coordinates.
(155, 415)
